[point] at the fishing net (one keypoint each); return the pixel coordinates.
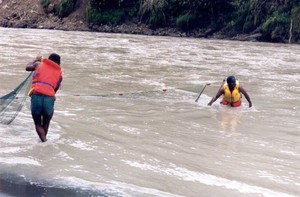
(12, 103)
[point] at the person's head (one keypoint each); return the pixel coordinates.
(231, 82)
(55, 58)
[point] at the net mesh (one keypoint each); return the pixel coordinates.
(12, 103)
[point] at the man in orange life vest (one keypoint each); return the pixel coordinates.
(46, 81)
(232, 93)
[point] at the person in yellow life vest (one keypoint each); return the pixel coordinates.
(232, 93)
(46, 80)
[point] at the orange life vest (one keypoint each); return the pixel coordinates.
(236, 104)
(46, 78)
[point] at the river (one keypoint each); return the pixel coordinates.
(126, 122)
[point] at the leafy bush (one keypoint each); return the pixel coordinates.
(296, 23)
(112, 17)
(185, 22)
(276, 26)
(153, 12)
(45, 3)
(111, 4)
(65, 7)
(157, 20)
(61, 8)
(111, 12)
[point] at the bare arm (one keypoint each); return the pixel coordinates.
(220, 92)
(60, 80)
(31, 66)
(242, 90)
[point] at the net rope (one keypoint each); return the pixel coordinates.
(12, 103)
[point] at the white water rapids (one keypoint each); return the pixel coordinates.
(116, 132)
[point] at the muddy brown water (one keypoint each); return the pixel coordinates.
(126, 122)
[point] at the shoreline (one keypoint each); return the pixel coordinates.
(29, 14)
(136, 29)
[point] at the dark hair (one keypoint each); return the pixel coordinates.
(55, 58)
(230, 79)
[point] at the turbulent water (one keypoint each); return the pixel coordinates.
(126, 122)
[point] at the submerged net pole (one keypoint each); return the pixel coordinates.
(12, 103)
(291, 32)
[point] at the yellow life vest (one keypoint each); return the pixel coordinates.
(234, 96)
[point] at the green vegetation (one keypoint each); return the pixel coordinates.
(153, 12)
(61, 8)
(65, 7)
(111, 12)
(274, 20)
(185, 22)
(45, 3)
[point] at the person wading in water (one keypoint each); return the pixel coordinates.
(232, 93)
(46, 81)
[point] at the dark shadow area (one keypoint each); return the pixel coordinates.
(18, 186)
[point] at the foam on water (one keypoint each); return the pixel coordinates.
(19, 160)
(150, 142)
(208, 179)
